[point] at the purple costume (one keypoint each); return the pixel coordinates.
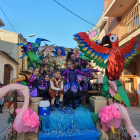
(43, 87)
(33, 86)
(82, 63)
(72, 89)
(84, 81)
(47, 84)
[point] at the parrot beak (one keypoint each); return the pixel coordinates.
(106, 42)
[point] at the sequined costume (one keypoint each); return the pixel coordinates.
(47, 85)
(82, 63)
(33, 86)
(61, 62)
(72, 89)
(42, 88)
(83, 80)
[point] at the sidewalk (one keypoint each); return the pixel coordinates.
(134, 113)
(3, 122)
(135, 109)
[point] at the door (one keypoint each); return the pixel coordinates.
(6, 75)
(130, 83)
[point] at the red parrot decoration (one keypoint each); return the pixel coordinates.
(108, 54)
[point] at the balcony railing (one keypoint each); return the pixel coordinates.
(23, 64)
(129, 24)
(106, 4)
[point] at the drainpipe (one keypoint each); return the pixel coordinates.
(18, 57)
(22, 63)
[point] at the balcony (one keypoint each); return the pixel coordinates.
(117, 8)
(106, 4)
(101, 22)
(101, 26)
(23, 67)
(129, 24)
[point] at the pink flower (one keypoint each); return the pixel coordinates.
(18, 110)
(30, 118)
(108, 113)
(28, 123)
(26, 115)
(34, 120)
(30, 110)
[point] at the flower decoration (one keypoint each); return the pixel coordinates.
(48, 51)
(109, 112)
(110, 117)
(29, 117)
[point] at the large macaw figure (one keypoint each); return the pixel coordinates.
(30, 50)
(108, 55)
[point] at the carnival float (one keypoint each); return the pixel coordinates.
(103, 116)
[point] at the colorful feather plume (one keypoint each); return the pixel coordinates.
(30, 50)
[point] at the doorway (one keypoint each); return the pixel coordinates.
(130, 83)
(6, 75)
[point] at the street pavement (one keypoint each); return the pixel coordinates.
(3, 122)
(134, 113)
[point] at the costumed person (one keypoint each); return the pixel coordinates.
(84, 81)
(2, 100)
(47, 71)
(60, 59)
(47, 85)
(72, 90)
(76, 52)
(33, 82)
(42, 88)
(60, 62)
(55, 89)
(77, 61)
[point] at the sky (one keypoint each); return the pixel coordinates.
(46, 19)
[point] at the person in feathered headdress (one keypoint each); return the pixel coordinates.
(60, 58)
(77, 52)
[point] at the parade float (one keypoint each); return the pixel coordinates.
(104, 117)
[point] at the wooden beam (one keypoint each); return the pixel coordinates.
(15, 103)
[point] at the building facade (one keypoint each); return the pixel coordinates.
(123, 19)
(8, 68)
(8, 44)
(1, 23)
